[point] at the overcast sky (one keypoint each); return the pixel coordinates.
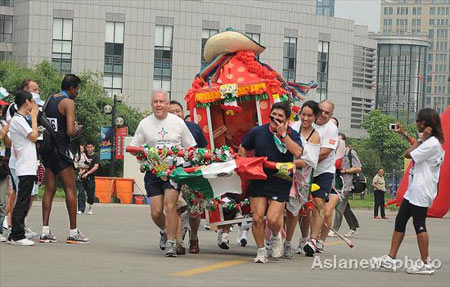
(363, 12)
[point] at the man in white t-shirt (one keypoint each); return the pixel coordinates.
(23, 138)
(163, 129)
(323, 174)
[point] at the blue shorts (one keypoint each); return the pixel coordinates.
(325, 182)
(155, 186)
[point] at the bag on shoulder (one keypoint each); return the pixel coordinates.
(359, 180)
(48, 142)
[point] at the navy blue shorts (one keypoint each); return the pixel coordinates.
(325, 182)
(156, 186)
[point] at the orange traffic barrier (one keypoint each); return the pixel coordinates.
(104, 187)
(124, 190)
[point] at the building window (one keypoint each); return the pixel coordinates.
(432, 10)
(114, 41)
(206, 34)
(6, 28)
(322, 69)
(62, 44)
(6, 3)
(162, 76)
(289, 58)
(325, 7)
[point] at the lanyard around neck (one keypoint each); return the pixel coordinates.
(64, 93)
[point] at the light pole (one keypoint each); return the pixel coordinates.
(118, 98)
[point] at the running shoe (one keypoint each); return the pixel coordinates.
(301, 244)
(376, 217)
(79, 212)
(277, 246)
(288, 251)
(30, 233)
(261, 256)
(21, 242)
(162, 240)
(89, 212)
(79, 238)
(242, 236)
(319, 246)
(385, 262)
(3, 238)
(47, 237)
(223, 240)
(351, 233)
(310, 247)
(171, 248)
(421, 269)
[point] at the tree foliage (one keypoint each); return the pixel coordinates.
(382, 147)
(89, 102)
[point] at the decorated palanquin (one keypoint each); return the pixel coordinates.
(228, 97)
(235, 91)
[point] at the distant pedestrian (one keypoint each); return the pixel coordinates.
(86, 179)
(379, 188)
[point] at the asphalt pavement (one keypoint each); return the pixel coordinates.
(124, 252)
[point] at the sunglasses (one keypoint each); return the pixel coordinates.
(325, 112)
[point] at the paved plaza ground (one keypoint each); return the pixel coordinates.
(124, 252)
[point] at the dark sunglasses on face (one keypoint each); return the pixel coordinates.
(325, 112)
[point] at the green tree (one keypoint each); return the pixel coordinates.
(382, 147)
(89, 103)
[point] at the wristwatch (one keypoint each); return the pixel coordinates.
(283, 135)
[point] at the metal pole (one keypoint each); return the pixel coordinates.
(113, 135)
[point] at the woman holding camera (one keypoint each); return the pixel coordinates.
(427, 155)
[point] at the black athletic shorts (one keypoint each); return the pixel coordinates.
(156, 186)
(325, 182)
(59, 160)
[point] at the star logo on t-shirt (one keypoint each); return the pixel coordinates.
(163, 133)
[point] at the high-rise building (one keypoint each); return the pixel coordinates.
(6, 29)
(400, 89)
(141, 45)
(424, 18)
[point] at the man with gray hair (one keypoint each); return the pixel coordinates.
(158, 130)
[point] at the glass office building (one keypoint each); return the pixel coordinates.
(401, 75)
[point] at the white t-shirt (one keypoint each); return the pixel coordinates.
(424, 175)
(172, 131)
(26, 163)
(328, 139)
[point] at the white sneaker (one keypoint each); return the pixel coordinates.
(22, 242)
(3, 238)
(331, 234)
(421, 268)
(261, 256)
(5, 222)
(30, 233)
(288, 251)
(277, 246)
(79, 212)
(386, 262)
(351, 233)
(223, 240)
(242, 236)
(301, 244)
(89, 212)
